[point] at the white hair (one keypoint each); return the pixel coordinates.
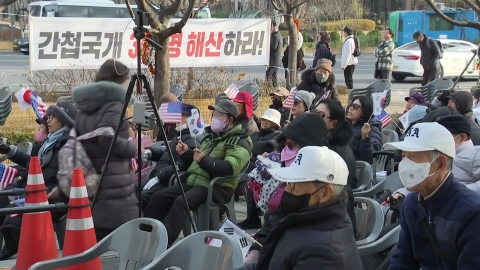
(435, 154)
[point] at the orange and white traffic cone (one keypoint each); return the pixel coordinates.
(37, 238)
(80, 233)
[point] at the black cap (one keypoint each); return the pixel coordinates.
(226, 106)
(187, 109)
(42, 120)
(65, 112)
(456, 124)
(317, 136)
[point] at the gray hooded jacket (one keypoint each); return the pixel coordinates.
(100, 104)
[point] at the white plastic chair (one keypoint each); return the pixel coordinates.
(137, 242)
(194, 253)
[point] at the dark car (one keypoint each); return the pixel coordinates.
(21, 45)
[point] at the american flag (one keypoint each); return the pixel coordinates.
(134, 164)
(171, 112)
(288, 103)
(384, 117)
(232, 91)
(7, 175)
(38, 107)
(325, 96)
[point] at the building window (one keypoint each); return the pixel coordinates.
(436, 23)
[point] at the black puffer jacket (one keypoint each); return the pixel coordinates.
(164, 168)
(100, 104)
(261, 144)
(49, 163)
(363, 149)
(318, 238)
(339, 139)
(309, 83)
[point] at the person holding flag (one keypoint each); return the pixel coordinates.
(164, 169)
(225, 151)
(367, 131)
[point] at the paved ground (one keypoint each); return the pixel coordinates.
(15, 65)
(111, 261)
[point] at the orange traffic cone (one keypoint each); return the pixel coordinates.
(37, 239)
(80, 233)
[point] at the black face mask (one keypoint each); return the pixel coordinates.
(295, 203)
(277, 103)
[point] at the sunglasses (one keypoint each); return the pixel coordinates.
(322, 114)
(296, 102)
(354, 106)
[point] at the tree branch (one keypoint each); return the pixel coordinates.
(299, 4)
(130, 10)
(5, 3)
(475, 25)
(174, 8)
(473, 6)
(177, 27)
(275, 6)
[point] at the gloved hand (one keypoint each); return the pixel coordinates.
(4, 148)
(252, 257)
(19, 202)
(152, 182)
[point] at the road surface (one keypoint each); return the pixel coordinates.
(17, 70)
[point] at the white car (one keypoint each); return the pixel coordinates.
(456, 55)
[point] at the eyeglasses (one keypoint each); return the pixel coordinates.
(292, 185)
(50, 118)
(296, 102)
(354, 106)
(322, 114)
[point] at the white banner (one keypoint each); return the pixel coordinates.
(75, 43)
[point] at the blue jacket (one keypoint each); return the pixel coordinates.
(454, 211)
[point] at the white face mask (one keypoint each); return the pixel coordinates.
(412, 173)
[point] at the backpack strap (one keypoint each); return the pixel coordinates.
(97, 132)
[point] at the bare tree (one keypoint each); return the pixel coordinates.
(5, 3)
(160, 14)
(287, 8)
(474, 5)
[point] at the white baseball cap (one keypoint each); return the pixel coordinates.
(426, 137)
(272, 115)
(314, 163)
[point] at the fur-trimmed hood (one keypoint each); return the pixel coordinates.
(309, 83)
(91, 97)
(341, 135)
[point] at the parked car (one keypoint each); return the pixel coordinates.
(21, 45)
(6, 31)
(456, 55)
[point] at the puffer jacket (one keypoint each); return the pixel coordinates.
(100, 104)
(309, 83)
(363, 149)
(226, 154)
(261, 144)
(164, 168)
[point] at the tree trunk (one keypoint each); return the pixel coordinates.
(292, 52)
(162, 71)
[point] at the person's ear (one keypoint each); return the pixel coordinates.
(325, 194)
(442, 163)
(464, 137)
(334, 123)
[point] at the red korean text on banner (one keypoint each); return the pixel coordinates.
(216, 44)
(196, 44)
(132, 53)
(175, 45)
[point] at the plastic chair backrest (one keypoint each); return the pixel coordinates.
(430, 90)
(388, 240)
(364, 175)
(193, 253)
(25, 147)
(389, 136)
(137, 242)
(370, 218)
(376, 86)
(393, 182)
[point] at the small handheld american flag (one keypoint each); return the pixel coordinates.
(232, 91)
(7, 175)
(385, 118)
(288, 103)
(171, 112)
(325, 96)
